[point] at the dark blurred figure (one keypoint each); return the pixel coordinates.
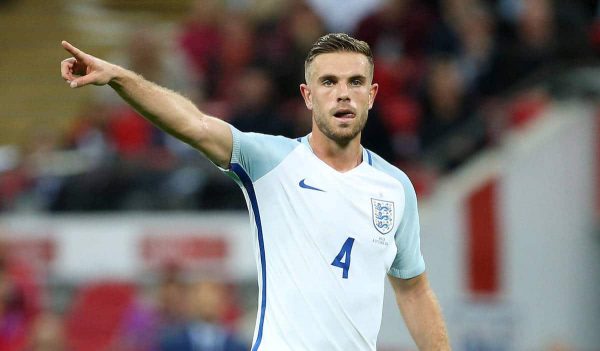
(448, 115)
(15, 180)
(17, 302)
(37, 174)
(403, 25)
(219, 43)
(204, 331)
(536, 34)
(534, 42)
(201, 40)
(236, 54)
(282, 46)
(466, 29)
(146, 321)
(445, 101)
(254, 104)
(87, 134)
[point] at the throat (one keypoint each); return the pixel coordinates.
(341, 158)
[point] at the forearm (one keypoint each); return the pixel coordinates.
(166, 109)
(421, 312)
(423, 317)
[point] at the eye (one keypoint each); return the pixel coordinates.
(356, 82)
(327, 82)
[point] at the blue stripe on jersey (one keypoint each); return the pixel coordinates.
(369, 157)
(247, 182)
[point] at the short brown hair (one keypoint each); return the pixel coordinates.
(337, 42)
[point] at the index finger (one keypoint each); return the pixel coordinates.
(78, 54)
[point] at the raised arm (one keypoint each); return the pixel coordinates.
(166, 109)
(421, 312)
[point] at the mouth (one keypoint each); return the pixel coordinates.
(344, 114)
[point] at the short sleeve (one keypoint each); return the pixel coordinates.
(257, 154)
(409, 261)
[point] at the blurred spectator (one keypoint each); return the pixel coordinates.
(146, 321)
(129, 134)
(15, 181)
(204, 331)
(296, 113)
(282, 48)
(399, 25)
(535, 35)
(201, 40)
(447, 111)
(237, 51)
(466, 30)
(47, 334)
(445, 101)
(18, 301)
(171, 298)
(253, 105)
(377, 136)
(13, 320)
(401, 116)
(534, 43)
(87, 134)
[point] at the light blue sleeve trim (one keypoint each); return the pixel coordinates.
(408, 262)
(257, 153)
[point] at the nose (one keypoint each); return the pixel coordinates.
(343, 93)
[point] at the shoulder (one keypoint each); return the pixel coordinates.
(258, 153)
(381, 165)
(262, 142)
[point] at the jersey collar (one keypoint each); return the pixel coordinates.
(366, 154)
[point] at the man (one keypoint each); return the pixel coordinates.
(203, 332)
(330, 218)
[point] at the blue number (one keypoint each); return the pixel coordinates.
(345, 251)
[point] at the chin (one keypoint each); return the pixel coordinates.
(343, 136)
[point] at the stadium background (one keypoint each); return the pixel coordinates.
(112, 231)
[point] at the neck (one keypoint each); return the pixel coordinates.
(341, 157)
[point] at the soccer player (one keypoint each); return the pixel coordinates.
(330, 218)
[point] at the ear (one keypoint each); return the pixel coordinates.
(372, 94)
(307, 95)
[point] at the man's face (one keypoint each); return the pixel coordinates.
(339, 92)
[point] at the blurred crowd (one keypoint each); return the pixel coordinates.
(448, 71)
(172, 311)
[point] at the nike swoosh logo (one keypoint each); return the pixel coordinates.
(306, 186)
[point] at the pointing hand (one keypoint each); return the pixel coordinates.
(83, 69)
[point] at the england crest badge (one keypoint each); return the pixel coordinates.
(383, 215)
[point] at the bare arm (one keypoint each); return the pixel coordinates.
(168, 110)
(421, 312)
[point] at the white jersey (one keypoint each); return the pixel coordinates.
(324, 242)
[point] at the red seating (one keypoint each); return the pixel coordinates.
(96, 314)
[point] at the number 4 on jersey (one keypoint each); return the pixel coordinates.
(342, 259)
